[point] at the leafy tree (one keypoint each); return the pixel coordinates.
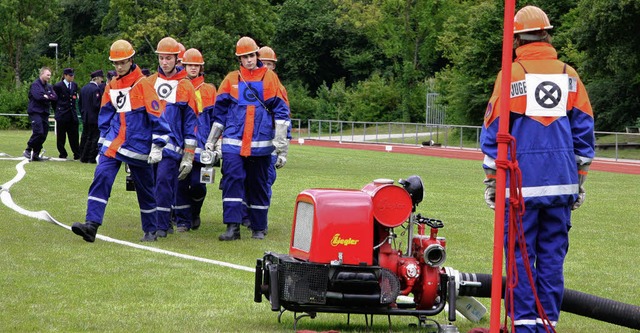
(307, 41)
(374, 100)
(605, 44)
(144, 23)
(214, 27)
(332, 102)
(22, 21)
(405, 32)
(472, 42)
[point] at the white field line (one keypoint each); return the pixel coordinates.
(7, 200)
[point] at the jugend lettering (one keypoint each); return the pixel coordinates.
(518, 88)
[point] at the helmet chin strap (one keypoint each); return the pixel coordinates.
(533, 36)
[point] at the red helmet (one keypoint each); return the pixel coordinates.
(246, 45)
(168, 45)
(192, 57)
(121, 50)
(267, 53)
(182, 50)
(530, 18)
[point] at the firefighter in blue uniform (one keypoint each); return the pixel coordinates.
(179, 98)
(552, 123)
(131, 131)
(252, 117)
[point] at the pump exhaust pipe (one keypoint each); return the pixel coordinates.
(576, 302)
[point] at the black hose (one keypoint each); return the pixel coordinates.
(575, 302)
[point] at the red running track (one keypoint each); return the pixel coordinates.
(621, 166)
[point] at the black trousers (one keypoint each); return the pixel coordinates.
(39, 131)
(90, 136)
(66, 129)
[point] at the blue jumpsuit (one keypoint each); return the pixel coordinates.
(130, 123)
(552, 121)
(191, 192)
(178, 95)
(248, 106)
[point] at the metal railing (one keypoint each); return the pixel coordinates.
(615, 145)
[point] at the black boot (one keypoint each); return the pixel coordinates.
(233, 232)
(195, 224)
(87, 230)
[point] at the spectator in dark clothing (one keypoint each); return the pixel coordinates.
(41, 95)
(111, 75)
(66, 114)
(90, 100)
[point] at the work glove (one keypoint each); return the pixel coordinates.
(582, 177)
(212, 140)
(282, 145)
(186, 164)
(155, 155)
(490, 190)
(212, 153)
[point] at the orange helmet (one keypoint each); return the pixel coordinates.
(246, 45)
(168, 45)
(182, 50)
(121, 50)
(192, 57)
(267, 53)
(530, 18)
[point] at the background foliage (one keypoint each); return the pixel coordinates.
(365, 60)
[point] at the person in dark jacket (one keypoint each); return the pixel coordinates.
(66, 114)
(89, 105)
(41, 95)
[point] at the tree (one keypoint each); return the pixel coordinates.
(472, 42)
(214, 27)
(22, 21)
(405, 32)
(307, 41)
(144, 23)
(602, 39)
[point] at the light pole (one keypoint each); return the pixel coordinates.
(56, 46)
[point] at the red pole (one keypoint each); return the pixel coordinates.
(503, 128)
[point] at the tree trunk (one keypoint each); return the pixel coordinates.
(16, 65)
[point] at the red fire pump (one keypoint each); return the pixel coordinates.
(344, 257)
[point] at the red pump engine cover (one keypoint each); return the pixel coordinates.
(391, 203)
(333, 224)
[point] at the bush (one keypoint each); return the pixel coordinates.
(14, 101)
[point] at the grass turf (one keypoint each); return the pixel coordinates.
(52, 281)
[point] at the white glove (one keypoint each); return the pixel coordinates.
(582, 177)
(490, 191)
(155, 155)
(281, 161)
(282, 145)
(186, 164)
(209, 157)
(214, 135)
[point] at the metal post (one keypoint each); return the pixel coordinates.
(56, 46)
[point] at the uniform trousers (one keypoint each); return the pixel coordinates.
(70, 129)
(39, 131)
(190, 197)
(246, 183)
(100, 191)
(547, 234)
(166, 172)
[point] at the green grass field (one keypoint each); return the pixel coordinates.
(53, 281)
